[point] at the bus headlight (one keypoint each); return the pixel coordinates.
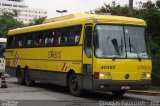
(143, 76)
(108, 75)
(146, 76)
(101, 75)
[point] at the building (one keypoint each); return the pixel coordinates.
(25, 14)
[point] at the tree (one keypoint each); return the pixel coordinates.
(37, 21)
(149, 12)
(158, 3)
(8, 22)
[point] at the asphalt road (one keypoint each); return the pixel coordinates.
(52, 95)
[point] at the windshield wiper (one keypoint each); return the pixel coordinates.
(115, 54)
(132, 46)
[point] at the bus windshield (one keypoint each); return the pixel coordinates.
(116, 41)
(2, 48)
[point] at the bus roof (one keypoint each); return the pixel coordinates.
(75, 19)
(3, 40)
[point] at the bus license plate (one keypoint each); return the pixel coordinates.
(125, 87)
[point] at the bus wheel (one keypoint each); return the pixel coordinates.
(28, 80)
(73, 85)
(118, 93)
(20, 76)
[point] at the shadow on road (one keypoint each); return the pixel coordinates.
(107, 96)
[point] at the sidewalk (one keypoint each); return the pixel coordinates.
(145, 92)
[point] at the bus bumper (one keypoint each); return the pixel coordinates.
(110, 85)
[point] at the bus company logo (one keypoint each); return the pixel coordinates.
(54, 54)
(16, 59)
(64, 68)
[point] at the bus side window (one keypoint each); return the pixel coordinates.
(35, 39)
(88, 41)
(29, 43)
(40, 42)
(19, 41)
(29, 40)
(46, 41)
(39, 39)
(64, 36)
(9, 42)
(77, 38)
(63, 40)
(55, 38)
(13, 41)
(59, 40)
(49, 38)
(74, 36)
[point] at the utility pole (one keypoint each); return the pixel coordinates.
(130, 7)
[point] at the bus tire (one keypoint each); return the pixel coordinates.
(118, 93)
(20, 76)
(28, 80)
(73, 85)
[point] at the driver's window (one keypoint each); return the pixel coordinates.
(88, 41)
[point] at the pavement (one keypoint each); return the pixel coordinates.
(42, 94)
(145, 92)
(139, 92)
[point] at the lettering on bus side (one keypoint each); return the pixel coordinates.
(141, 67)
(108, 67)
(54, 54)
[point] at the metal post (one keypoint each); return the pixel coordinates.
(130, 7)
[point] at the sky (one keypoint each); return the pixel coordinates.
(72, 6)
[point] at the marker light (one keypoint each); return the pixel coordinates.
(108, 75)
(146, 75)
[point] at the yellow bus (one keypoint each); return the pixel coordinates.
(82, 52)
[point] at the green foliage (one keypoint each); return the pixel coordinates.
(7, 22)
(158, 3)
(114, 9)
(149, 12)
(37, 21)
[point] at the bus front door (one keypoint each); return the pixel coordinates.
(87, 58)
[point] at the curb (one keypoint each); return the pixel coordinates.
(149, 93)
